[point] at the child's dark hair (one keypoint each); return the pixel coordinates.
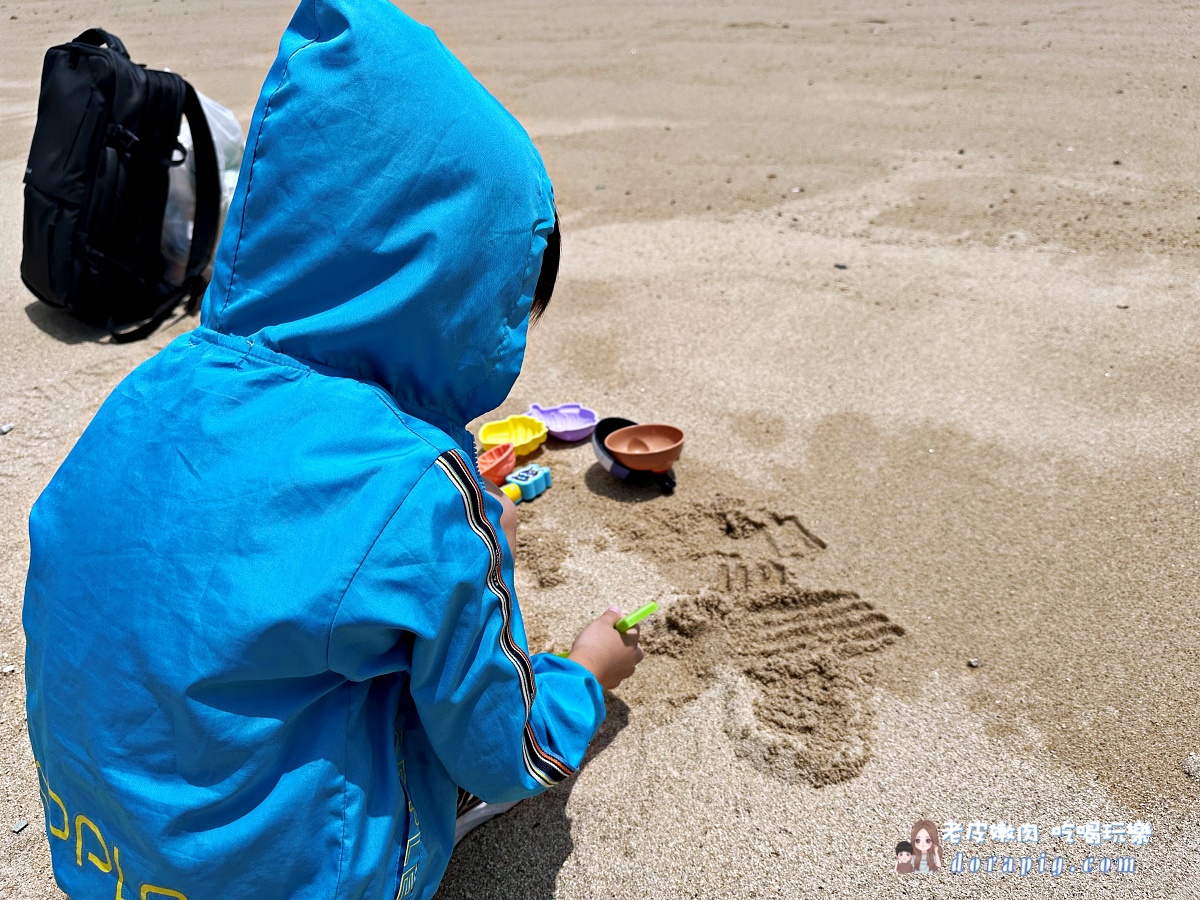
(904, 847)
(549, 274)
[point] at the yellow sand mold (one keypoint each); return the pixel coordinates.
(525, 433)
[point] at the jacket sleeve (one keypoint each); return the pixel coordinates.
(434, 597)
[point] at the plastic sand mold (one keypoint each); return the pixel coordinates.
(512, 492)
(532, 480)
(624, 624)
(605, 427)
(496, 463)
(567, 421)
(525, 433)
(646, 448)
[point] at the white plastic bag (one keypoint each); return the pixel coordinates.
(181, 196)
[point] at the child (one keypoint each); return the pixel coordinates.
(270, 619)
(904, 856)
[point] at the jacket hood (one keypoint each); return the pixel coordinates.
(390, 216)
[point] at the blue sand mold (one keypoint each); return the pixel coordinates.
(531, 479)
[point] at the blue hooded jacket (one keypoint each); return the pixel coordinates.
(269, 613)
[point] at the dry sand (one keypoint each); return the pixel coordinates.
(919, 280)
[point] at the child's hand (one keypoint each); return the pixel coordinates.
(605, 652)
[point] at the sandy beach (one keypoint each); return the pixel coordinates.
(919, 280)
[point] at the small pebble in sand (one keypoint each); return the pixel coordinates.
(9, 670)
(1122, 306)
(840, 266)
(1191, 766)
(7, 427)
(973, 663)
(18, 827)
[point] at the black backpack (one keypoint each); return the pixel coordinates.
(96, 188)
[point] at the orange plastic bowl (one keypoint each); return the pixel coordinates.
(646, 448)
(497, 462)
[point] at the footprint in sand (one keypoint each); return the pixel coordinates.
(796, 668)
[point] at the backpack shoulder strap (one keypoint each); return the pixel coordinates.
(205, 226)
(208, 189)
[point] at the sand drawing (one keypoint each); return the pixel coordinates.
(720, 544)
(793, 666)
(764, 546)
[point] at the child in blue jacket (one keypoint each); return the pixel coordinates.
(270, 620)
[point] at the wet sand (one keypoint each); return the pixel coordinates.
(919, 281)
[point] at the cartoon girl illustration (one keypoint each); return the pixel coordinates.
(927, 847)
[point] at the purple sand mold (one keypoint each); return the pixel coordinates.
(567, 421)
